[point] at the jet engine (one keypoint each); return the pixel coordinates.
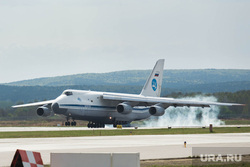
(124, 108)
(43, 111)
(156, 110)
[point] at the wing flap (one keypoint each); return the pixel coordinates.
(34, 104)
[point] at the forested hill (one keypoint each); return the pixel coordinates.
(172, 78)
(205, 81)
(236, 82)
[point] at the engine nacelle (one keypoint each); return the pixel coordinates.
(43, 111)
(156, 110)
(124, 108)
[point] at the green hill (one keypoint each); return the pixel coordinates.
(236, 84)
(206, 81)
(172, 78)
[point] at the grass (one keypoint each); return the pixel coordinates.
(193, 162)
(119, 132)
(237, 121)
(218, 165)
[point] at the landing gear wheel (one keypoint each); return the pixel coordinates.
(73, 123)
(95, 125)
(67, 123)
(90, 125)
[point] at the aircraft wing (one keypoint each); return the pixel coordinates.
(166, 102)
(34, 104)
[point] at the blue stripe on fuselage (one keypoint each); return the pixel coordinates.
(92, 106)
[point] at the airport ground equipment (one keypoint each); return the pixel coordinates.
(95, 159)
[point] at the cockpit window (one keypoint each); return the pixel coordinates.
(68, 93)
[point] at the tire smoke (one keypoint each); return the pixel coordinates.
(184, 116)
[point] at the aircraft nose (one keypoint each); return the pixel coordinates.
(56, 109)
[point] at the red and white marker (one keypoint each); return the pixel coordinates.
(27, 158)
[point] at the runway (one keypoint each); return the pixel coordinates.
(149, 146)
(63, 128)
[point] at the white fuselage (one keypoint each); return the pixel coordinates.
(90, 106)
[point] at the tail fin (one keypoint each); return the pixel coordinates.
(154, 82)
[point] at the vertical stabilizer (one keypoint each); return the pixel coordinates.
(154, 82)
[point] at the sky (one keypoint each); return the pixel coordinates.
(45, 38)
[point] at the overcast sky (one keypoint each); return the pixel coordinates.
(42, 38)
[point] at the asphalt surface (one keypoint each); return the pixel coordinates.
(149, 146)
(63, 128)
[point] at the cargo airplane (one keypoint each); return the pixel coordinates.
(100, 108)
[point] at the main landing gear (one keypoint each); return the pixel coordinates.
(95, 125)
(68, 123)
